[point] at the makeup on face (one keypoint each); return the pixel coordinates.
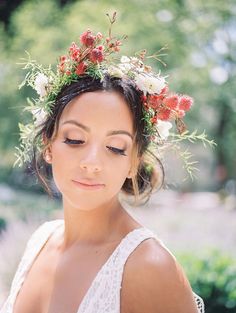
(114, 141)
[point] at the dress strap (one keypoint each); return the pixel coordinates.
(199, 303)
(129, 245)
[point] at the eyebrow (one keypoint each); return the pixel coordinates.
(110, 133)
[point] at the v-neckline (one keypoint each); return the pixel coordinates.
(104, 266)
(43, 244)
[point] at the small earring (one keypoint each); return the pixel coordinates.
(129, 175)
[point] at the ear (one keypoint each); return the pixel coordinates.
(47, 154)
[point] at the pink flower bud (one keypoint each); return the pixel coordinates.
(87, 38)
(96, 55)
(171, 101)
(185, 103)
(164, 114)
(99, 36)
(63, 58)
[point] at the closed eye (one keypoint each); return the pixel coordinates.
(73, 141)
(79, 142)
(116, 150)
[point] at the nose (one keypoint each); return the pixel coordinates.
(91, 161)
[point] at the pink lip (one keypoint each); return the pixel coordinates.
(89, 185)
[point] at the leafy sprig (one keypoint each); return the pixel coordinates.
(189, 164)
(193, 137)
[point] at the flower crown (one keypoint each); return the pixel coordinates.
(94, 56)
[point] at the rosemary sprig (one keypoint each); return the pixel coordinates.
(193, 137)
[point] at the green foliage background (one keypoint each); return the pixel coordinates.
(213, 276)
(200, 37)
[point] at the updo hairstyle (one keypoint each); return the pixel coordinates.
(147, 169)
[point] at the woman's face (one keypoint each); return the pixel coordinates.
(91, 153)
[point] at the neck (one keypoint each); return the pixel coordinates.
(94, 226)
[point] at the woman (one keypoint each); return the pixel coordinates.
(93, 128)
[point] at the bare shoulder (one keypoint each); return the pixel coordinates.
(154, 281)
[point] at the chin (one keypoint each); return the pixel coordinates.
(85, 202)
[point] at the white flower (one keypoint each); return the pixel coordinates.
(115, 71)
(41, 81)
(134, 59)
(125, 67)
(125, 64)
(39, 115)
(150, 84)
(124, 59)
(163, 129)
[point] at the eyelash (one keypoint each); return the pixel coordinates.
(79, 142)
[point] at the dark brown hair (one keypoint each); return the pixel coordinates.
(148, 171)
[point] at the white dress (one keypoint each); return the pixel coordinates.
(103, 295)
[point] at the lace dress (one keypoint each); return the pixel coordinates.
(103, 295)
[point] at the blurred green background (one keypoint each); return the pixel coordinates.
(201, 41)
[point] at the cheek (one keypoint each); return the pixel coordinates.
(66, 163)
(118, 173)
(113, 177)
(62, 157)
(60, 162)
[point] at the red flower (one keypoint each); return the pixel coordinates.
(96, 55)
(87, 38)
(73, 47)
(146, 106)
(63, 58)
(153, 119)
(81, 68)
(75, 56)
(68, 72)
(154, 101)
(171, 102)
(74, 51)
(185, 103)
(143, 98)
(164, 114)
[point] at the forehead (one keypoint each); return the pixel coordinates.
(101, 109)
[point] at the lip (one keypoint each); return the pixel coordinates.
(88, 185)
